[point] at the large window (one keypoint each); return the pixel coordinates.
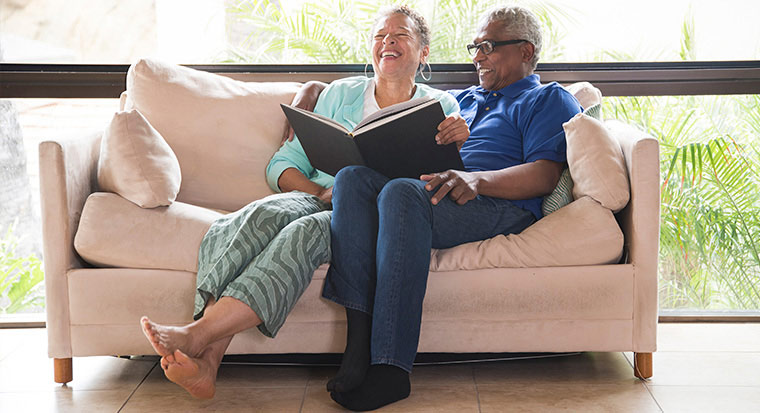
(710, 144)
(335, 31)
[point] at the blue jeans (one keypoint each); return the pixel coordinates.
(382, 233)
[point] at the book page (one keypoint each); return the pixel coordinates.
(319, 117)
(366, 126)
(391, 110)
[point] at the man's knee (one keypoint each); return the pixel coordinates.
(404, 193)
(350, 176)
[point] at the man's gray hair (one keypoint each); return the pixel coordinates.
(520, 23)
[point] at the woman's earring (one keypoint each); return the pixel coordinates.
(422, 72)
(365, 70)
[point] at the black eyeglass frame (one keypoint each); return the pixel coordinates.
(472, 48)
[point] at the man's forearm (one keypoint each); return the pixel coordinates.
(307, 96)
(524, 181)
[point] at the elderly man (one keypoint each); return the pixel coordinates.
(383, 230)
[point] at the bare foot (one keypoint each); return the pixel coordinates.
(166, 339)
(196, 375)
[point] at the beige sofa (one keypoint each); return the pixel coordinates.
(142, 261)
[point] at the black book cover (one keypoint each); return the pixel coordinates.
(397, 141)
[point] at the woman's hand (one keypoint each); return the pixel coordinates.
(453, 129)
(306, 99)
(459, 185)
(326, 195)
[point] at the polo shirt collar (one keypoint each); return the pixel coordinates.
(515, 89)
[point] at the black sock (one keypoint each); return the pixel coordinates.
(383, 385)
(353, 366)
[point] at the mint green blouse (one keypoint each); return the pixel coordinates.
(343, 101)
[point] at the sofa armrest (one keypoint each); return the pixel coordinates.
(640, 222)
(68, 174)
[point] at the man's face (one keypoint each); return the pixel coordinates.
(505, 64)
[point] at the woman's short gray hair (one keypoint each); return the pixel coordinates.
(421, 28)
(519, 22)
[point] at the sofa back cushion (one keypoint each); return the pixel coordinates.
(596, 163)
(222, 131)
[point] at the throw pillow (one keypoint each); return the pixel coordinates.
(223, 131)
(595, 111)
(136, 163)
(582, 233)
(586, 93)
(561, 196)
(596, 163)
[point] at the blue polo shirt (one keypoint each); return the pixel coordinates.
(518, 124)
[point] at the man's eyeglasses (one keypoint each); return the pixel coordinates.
(487, 46)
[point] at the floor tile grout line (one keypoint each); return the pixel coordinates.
(653, 398)
(626, 359)
(477, 391)
(644, 382)
(305, 392)
(137, 387)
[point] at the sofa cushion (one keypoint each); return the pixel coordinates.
(596, 163)
(561, 196)
(581, 233)
(586, 93)
(136, 163)
(114, 232)
(223, 131)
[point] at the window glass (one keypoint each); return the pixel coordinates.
(26, 123)
(335, 31)
(710, 208)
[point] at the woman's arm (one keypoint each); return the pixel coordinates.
(292, 179)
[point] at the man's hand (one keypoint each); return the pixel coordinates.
(306, 99)
(453, 129)
(326, 195)
(459, 185)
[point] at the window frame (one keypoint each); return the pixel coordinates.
(20, 80)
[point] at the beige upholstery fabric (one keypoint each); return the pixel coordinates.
(113, 232)
(580, 308)
(640, 222)
(136, 163)
(580, 233)
(596, 163)
(67, 176)
(95, 311)
(123, 101)
(586, 93)
(223, 131)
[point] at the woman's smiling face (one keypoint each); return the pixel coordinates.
(396, 49)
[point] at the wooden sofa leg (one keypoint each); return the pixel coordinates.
(63, 370)
(642, 365)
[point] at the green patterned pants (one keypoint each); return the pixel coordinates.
(265, 255)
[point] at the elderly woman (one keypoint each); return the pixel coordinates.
(254, 264)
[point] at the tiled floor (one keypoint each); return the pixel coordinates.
(697, 368)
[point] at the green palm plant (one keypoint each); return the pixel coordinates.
(20, 277)
(337, 32)
(710, 231)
